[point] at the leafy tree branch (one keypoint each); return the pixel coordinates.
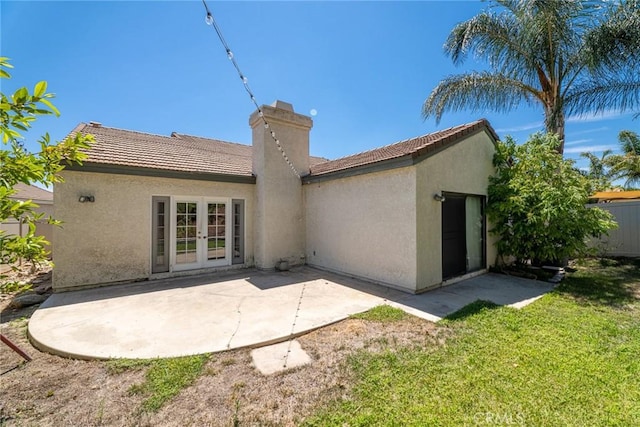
(18, 111)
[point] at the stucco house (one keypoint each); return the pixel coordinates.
(408, 215)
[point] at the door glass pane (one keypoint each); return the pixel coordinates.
(159, 243)
(216, 231)
(160, 232)
(237, 234)
(186, 232)
(474, 237)
(236, 230)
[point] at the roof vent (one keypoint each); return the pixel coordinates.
(95, 124)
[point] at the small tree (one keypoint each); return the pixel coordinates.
(17, 113)
(537, 203)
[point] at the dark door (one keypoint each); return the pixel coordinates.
(454, 248)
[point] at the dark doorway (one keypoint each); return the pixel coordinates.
(463, 231)
(454, 247)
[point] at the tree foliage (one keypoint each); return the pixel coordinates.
(626, 165)
(17, 165)
(537, 202)
(610, 167)
(599, 174)
(569, 56)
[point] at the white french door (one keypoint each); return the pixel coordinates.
(201, 233)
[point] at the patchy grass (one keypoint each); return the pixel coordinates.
(382, 313)
(118, 366)
(604, 281)
(569, 359)
(164, 379)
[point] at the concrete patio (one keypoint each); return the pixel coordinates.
(211, 313)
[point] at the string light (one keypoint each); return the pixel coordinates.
(212, 22)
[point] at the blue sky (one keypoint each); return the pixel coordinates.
(155, 66)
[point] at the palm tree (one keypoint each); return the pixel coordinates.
(627, 164)
(630, 142)
(598, 174)
(570, 56)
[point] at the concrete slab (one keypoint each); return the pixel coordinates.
(497, 288)
(279, 357)
(211, 313)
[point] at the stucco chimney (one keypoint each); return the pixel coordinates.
(279, 229)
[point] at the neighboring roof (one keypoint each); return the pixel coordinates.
(414, 147)
(616, 195)
(31, 192)
(178, 152)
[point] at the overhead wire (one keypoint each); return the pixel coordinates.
(210, 20)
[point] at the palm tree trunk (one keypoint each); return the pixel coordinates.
(554, 123)
(560, 130)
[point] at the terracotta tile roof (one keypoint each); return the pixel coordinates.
(177, 152)
(31, 192)
(187, 153)
(129, 148)
(413, 147)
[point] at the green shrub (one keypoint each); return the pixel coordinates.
(537, 203)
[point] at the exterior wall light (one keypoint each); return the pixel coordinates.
(84, 199)
(439, 197)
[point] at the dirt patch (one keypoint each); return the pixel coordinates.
(53, 391)
(232, 391)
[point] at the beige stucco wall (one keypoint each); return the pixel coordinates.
(279, 207)
(110, 240)
(462, 168)
(365, 226)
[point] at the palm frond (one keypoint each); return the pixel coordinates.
(493, 37)
(597, 165)
(630, 142)
(615, 42)
(625, 166)
(476, 91)
(620, 93)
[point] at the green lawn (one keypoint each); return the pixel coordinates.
(572, 359)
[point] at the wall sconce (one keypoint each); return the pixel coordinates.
(84, 199)
(439, 197)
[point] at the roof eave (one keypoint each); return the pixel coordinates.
(383, 165)
(408, 159)
(380, 166)
(161, 173)
(450, 141)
